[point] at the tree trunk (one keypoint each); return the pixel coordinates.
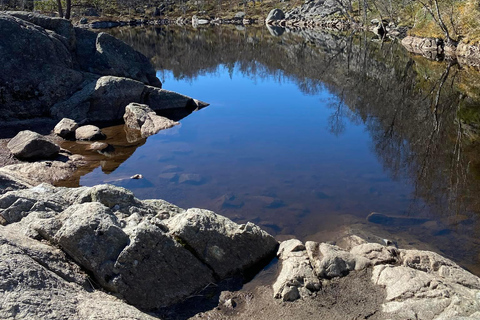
(60, 10)
(68, 9)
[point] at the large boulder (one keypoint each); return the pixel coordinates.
(228, 248)
(105, 99)
(31, 145)
(296, 278)
(38, 281)
(144, 251)
(37, 69)
(50, 68)
(331, 261)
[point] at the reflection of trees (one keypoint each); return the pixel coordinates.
(410, 106)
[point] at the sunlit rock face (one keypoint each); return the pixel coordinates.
(417, 284)
(150, 253)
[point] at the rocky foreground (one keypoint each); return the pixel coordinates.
(100, 253)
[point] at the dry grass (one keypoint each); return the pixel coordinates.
(461, 17)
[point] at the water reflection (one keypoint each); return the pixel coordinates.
(308, 133)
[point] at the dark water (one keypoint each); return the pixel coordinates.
(307, 134)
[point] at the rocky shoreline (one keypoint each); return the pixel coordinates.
(99, 252)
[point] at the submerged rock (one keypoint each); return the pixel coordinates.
(31, 145)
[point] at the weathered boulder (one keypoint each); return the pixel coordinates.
(10, 182)
(415, 294)
(50, 68)
(315, 10)
(115, 57)
(418, 284)
(137, 249)
(37, 69)
(275, 14)
(377, 253)
(66, 128)
(105, 99)
(38, 281)
(92, 236)
(296, 279)
(141, 117)
(226, 247)
(89, 132)
(155, 270)
(330, 261)
(31, 145)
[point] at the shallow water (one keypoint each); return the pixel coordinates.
(303, 139)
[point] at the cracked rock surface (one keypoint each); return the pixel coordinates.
(418, 284)
(148, 252)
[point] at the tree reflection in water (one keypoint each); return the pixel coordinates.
(421, 115)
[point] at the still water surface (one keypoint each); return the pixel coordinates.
(296, 150)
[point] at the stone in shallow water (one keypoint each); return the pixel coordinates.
(191, 178)
(89, 132)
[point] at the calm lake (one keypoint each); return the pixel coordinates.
(307, 134)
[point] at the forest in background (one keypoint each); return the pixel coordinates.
(451, 20)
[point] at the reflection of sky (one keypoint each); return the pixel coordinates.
(269, 146)
(259, 137)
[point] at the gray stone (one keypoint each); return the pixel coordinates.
(35, 173)
(38, 281)
(105, 99)
(115, 57)
(60, 72)
(296, 279)
(147, 252)
(415, 294)
(92, 236)
(66, 128)
(141, 117)
(154, 270)
(213, 238)
(89, 132)
(11, 182)
(31, 145)
(377, 253)
(330, 261)
(275, 14)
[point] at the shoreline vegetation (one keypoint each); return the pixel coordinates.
(433, 28)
